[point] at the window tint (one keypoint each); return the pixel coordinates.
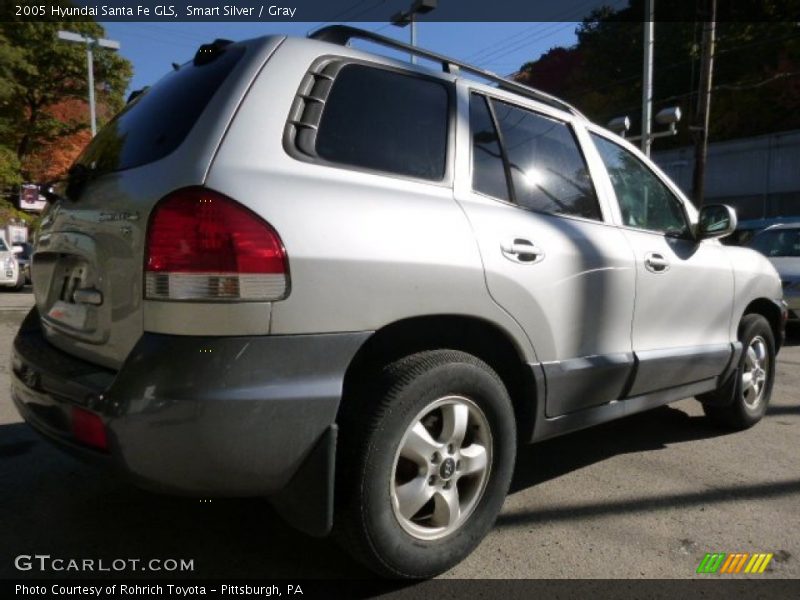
(547, 168)
(488, 172)
(160, 118)
(3, 247)
(386, 121)
(644, 201)
(778, 242)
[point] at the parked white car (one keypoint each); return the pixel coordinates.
(10, 274)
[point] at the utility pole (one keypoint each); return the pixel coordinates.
(702, 114)
(409, 17)
(91, 44)
(413, 36)
(647, 79)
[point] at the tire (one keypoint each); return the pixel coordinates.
(384, 448)
(20, 282)
(751, 384)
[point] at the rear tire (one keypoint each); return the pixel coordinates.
(751, 383)
(425, 461)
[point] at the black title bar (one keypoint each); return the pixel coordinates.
(379, 10)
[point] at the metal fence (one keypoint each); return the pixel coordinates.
(759, 176)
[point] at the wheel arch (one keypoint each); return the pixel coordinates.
(478, 337)
(772, 313)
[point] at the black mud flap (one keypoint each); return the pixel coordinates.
(726, 381)
(307, 502)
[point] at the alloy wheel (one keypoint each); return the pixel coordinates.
(441, 468)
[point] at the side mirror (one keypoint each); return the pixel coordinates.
(716, 221)
(17, 249)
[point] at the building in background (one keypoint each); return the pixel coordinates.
(758, 176)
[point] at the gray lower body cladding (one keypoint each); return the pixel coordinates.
(221, 416)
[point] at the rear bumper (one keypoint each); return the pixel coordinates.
(217, 416)
(8, 277)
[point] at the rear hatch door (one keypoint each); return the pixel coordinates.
(89, 256)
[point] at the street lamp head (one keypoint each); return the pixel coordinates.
(401, 19)
(423, 6)
(669, 116)
(110, 44)
(619, 125)
(69, 36)
(418, 7)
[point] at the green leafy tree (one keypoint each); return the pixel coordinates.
(38, 73)
(9, 168)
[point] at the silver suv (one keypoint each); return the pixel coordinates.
(296, 270)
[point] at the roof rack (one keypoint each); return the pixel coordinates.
(342, 34)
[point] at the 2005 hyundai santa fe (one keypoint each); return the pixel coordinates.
(296, 270)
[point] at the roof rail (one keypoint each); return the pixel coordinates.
(342, 34)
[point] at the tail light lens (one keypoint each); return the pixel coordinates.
(202, 245)
(89, 429)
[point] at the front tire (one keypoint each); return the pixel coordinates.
(751, 383)
(425, 462)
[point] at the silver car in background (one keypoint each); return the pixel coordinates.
(781, 245)
(297, 270)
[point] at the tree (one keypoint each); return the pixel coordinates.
(756, 67)
(40, 76)
(9, 168)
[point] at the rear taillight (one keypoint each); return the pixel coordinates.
(202, 245)
(89, 429)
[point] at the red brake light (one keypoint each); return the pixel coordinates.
(202, 245)
(88, 428)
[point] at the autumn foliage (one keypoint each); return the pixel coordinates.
(50, 160)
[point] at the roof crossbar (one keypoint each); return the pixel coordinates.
(342, 34)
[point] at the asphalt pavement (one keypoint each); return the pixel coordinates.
(643, 497)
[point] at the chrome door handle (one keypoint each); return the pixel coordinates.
(655, 262)
(522, 251)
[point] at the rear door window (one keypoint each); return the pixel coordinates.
(531, 158)
(155, 123)
(488, 168)
(546, 164)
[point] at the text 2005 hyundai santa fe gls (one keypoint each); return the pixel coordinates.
(296, 270)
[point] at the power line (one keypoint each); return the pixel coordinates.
(528, 42)
(720, 87)
(595, 88)
(506, 42)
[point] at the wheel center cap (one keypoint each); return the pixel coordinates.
(447, 469)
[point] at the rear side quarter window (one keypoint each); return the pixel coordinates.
(374, 119)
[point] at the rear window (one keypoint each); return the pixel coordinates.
(159, 119)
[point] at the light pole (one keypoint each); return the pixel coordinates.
(702, 121)
(647, 78)
(91, 43)
(408, 17)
